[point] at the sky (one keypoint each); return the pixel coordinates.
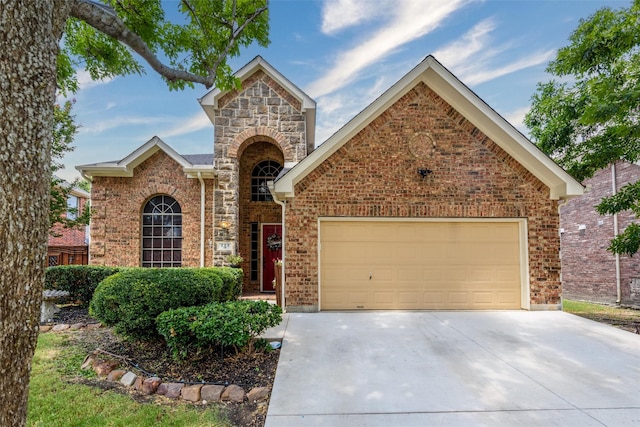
(344, 54)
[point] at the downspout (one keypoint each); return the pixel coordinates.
(282, 203)
(616, 231)
(202, 217)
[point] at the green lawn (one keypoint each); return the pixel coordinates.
(624, 318)
(53, 401)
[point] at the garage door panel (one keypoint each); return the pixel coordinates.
(420, 265)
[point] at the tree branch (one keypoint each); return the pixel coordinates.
(104, 19)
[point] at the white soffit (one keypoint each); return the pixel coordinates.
(465, 101)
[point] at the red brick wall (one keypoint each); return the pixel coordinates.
(588, 269)
(375, 175)
(117, 205)
(61, 236)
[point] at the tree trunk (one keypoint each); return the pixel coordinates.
(28, 48)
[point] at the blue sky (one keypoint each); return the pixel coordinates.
(344, 54)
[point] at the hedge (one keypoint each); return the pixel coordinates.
(130, 300)
(79, 280)
(236, 324)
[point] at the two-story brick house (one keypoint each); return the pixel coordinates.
(426, 199)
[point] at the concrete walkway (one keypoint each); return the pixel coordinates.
(511, 368)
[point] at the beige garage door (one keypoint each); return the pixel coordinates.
(419, 265)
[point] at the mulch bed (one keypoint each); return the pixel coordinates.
(211, 366)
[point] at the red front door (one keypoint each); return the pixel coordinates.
(271, 249)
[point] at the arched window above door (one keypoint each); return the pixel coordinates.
(263, 172)
(162, 232)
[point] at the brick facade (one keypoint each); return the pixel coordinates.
(117, 205)
(588, 269)
(68, 245)
(374, 175)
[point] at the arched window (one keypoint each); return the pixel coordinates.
(162, 233)
(263, 172)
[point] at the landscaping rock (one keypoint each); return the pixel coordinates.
(138, 384)
(211, 393)
(129, 379)
(88, 361)
(173, 390)
(162, 389)
(257, 394)
(233, 393)
(191, 393)
(77, 326)
(116, 374)
(150, 385)
(45, 328)
(103, 367)
(92, 326)
(61, 327)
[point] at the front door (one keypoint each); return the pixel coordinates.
(271, 249)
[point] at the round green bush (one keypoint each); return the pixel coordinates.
(130, 300)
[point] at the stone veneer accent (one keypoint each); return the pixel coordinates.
(588, 269)
(375, 175)
(261, 112)
(117, 205)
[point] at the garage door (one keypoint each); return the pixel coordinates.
(419, 265)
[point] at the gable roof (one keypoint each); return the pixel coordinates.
(191, 164)
(209, 102)
(466, 102)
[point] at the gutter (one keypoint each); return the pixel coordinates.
(616, 231)
(282, 203)
(202, 212)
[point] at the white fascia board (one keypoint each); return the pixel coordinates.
(446, 85)
(206, 172)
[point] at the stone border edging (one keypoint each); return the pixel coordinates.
(106, 368)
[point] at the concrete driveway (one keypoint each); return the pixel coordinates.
(511, 368)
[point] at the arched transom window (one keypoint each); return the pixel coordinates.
(263, 172)
(162, 233)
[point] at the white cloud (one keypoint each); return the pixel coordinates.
(475, 60)
(473, 41)
(341, 14)
(516, 118)
(408, 20)
(119, 121)
(85, 81)
(185, 126)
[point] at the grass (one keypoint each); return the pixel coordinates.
(53, 401)
(624, 318)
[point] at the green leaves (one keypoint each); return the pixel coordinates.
(235, 324)
(131, 300)
(592, 120)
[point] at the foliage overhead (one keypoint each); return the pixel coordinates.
(588, 118)
(108, 39)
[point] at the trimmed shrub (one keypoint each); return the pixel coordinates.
(79, 280)
(131, 300)
(236, 324)
(232, 282)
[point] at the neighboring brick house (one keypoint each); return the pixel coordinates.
(426, 199)
(69, 245)
(589, 271)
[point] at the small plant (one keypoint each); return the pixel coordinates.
(235, 260)
(236, 324)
